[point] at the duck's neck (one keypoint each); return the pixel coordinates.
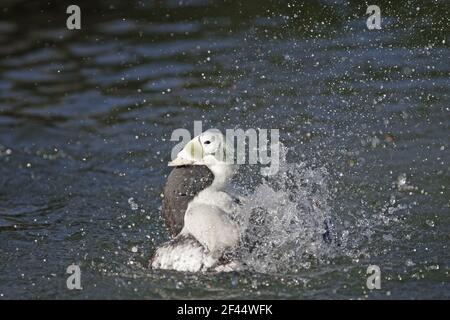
(222, 175)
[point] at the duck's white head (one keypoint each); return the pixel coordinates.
(208, 149)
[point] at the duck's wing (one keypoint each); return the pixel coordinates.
(183, 184)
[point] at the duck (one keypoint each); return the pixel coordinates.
(200, 218)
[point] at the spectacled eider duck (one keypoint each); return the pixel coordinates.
(196, 209)
(201, 216)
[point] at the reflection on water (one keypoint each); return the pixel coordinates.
(86, 118)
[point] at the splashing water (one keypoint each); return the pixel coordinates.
(283, 219)
(288, 223)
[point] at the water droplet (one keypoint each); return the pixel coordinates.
(410, 263)
(430, 223)
(234, 281)
(134, 206)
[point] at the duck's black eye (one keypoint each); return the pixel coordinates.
(207, 142)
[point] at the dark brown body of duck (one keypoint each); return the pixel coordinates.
(182, 185)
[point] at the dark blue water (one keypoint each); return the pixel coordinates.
(86, 118)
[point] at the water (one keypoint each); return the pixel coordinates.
(86, 118)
